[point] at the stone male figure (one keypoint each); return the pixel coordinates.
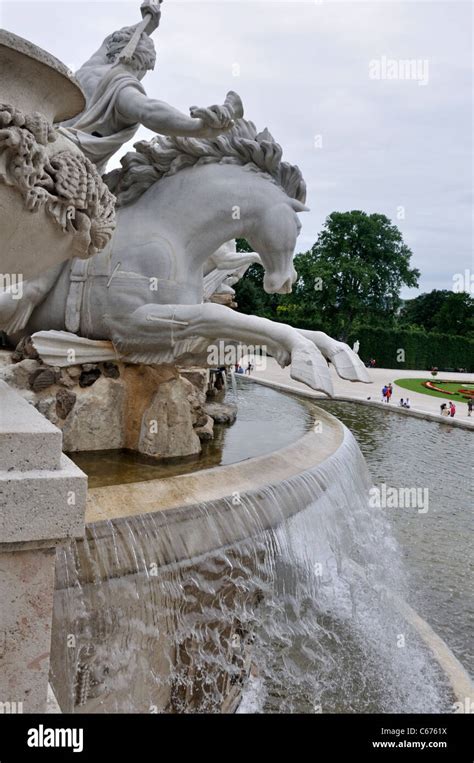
(117, 104)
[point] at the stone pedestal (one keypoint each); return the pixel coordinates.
(26, 596)
(154, 410)
(42, 504)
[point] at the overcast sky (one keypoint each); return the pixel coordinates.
(304, 70)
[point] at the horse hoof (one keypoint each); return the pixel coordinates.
(349, 366)
(309, 367)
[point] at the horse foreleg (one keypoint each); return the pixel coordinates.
(151, 328)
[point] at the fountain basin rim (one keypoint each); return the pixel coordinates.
(76, 101)
(219, 482)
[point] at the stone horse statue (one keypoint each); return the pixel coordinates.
(180, 200)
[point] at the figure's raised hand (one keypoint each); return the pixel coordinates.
(151, 8)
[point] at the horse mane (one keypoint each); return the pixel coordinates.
(166, 156)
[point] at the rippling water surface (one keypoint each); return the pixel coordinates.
(266, 421)
(437, 545)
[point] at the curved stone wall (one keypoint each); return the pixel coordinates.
(157, 596)
(162, 553)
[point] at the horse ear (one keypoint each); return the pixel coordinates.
(298, 206)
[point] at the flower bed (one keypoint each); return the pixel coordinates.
(459, 391)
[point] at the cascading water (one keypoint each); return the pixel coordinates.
(233, 384)
(273, 600)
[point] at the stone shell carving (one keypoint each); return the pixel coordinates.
(67, 185)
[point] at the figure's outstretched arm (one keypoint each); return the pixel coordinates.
(164, 119)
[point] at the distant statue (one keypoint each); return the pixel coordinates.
(117, 104)
(356, 347)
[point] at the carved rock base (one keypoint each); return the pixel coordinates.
(152, 410)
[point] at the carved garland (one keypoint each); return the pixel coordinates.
(66, 185)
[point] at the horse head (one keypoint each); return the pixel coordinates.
(274, 189)
(274, 238)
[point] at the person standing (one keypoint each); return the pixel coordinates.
(389, 393)
(452, 409)
(469, 406)
(384, 394)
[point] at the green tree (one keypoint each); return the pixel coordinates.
(352, 276)
(363, 263)
(440, 310)
(250, 296)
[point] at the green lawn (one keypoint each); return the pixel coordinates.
(416, 385)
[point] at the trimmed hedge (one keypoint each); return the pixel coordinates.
(422, 350)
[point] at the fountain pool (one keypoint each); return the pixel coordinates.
(260, 584)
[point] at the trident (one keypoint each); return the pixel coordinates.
(129, 50)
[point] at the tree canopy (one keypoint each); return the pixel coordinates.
(353, 274)
(444, 311)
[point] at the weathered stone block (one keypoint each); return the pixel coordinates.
(205, 431)
(42, 505)
(96, 421)
(167, 425)
(27, 440)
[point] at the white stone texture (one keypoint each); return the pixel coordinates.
(26, 601)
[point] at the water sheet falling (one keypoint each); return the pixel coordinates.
(267, 602)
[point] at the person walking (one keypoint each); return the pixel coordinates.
(384, 394)
(452, 409)
(407, 403)
(469, 407)
(389, 392)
